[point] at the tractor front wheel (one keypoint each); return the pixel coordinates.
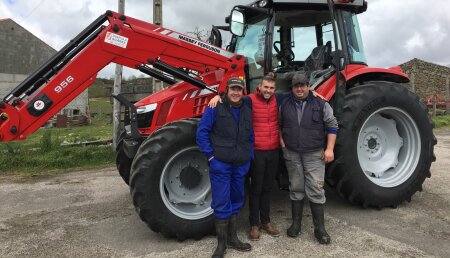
(384, 147)
(123, 163)
(170, 184)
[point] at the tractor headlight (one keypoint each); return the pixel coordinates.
(146, 108)
(262, 3)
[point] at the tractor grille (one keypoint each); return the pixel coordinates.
(145, 120)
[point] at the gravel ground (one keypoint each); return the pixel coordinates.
(90, 214)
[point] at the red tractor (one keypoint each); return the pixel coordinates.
(385, 141)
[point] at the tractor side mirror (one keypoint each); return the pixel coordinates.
(237, 23)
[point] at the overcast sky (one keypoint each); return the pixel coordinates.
(394, 31)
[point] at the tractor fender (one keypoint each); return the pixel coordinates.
(393, 74)
(357, 74)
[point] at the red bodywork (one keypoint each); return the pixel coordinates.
(353, 71)
(131, 43)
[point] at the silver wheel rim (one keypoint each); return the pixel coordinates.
(183, 197)
(389, 147)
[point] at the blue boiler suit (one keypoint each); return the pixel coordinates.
(228, 165)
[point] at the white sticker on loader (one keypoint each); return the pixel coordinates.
(39, 105)
(116, 40)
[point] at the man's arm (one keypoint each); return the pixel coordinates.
(203, 130)
(328, 154)
(283, 145)
(280, 126)
(332, 126)
(282, 95)
(216, 100)
(252, 144)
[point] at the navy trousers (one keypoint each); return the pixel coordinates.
(227, 186)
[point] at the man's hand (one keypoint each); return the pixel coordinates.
(317, 95)
(213, 102)
(282, 144)
(328, 155)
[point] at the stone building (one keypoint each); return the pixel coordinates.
(21, 53)
(428, 79)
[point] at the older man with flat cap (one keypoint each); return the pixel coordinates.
(308, 134)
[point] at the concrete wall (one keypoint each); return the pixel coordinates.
(8, 82)
(21, 53)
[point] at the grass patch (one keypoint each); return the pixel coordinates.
(100, 88)
(441, 121)
(100, 106)
(32, 162)
(42, 154)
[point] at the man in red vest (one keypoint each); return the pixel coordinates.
(264, 166)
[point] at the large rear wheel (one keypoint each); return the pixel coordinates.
(170, 183)
(385, 145)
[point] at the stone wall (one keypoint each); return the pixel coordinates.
(137, 89)
(427, 79)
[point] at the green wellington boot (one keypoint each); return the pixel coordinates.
(233, 240)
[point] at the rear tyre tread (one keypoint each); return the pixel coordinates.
(349, 179)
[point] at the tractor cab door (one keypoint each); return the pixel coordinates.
(307, 47)
(254, 43)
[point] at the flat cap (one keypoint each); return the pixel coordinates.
(300, 78)
(235, 82)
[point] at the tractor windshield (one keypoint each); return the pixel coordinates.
(353, 36)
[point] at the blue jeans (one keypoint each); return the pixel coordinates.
(227, 186)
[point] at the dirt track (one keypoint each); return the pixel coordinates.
(89, 214)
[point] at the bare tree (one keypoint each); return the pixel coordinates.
(200, 34)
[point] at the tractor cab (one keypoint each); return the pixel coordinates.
(284, 37)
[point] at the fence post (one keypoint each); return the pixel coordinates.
(434, 104)
(412, 80)
(447, 95)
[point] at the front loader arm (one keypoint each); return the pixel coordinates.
(126, 41)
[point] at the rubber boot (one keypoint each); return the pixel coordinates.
(221, 231)
(319, 223)
(233, 240)
(297, 214)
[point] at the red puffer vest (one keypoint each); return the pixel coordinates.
(265, 122)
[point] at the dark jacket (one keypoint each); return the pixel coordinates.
(306, 135)
(226, 133)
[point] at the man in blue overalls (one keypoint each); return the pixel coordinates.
(225, 136)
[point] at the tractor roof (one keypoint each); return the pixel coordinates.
(325, 2)
(357, 6)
